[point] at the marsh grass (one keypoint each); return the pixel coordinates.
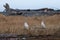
(14, 25)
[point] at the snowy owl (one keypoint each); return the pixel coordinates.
(43, 24)
(26, 26)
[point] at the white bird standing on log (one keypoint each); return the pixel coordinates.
(26, 26)
(43, 25)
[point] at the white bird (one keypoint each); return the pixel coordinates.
(26, 26)
(23, 38)
(43, 24)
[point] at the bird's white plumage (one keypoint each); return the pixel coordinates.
(26, 26)
(43, 24)
(23, 38)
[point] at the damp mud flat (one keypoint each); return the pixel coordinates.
(22, 37)
(15, 25)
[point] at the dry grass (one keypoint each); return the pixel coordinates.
(15, 24)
